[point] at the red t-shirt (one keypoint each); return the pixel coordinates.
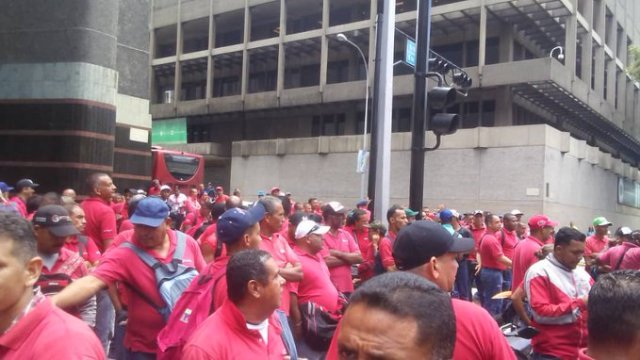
(490, 252)
(220, 294)
(221, 199)
(47, 332)
(524, 255)
(101, 221)
(63, 256)
(631, 259)
(477, 235)
(123, 265)
(316, 285)
(225, 336)
(361, 237)
(595, 245)
(282, 253)
(385, 249)
(340, 275)
(125, 225)
(90, 251)
(20, 205)
(508, 240)
(154, 191)
(193, 220)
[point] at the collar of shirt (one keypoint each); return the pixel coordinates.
(235, 319)
(35, 300)
(535, 239)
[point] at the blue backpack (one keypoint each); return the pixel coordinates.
(171, 279)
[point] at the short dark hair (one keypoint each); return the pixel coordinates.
(93, 180)
(489, 217)
(217, 210)
(20, 231)
(243, 267)
(270, 203)
(566, 234)
(614, 309)
(354, 215)
(311, 199)
(286, 204)
(410, 296)
(392, 211)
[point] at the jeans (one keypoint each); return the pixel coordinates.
(507, 276)
(492, 284)
(462, 286)
(105, 317)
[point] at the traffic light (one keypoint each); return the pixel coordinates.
(444, 123)
(440, 97)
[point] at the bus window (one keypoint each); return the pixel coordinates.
(181, 167)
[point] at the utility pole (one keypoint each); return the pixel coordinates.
(420, 110)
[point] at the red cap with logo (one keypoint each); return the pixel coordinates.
(541, 221)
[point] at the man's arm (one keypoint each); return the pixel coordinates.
(505, 261)
(349, 258)
(333, 261)
(296, 316)
(292, 272)
(78, 292)
(542, 303)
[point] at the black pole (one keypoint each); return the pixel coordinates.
(373, 152)
(419, 113)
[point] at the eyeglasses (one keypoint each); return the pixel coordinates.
(313, 229)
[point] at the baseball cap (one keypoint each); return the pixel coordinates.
(335, 207)
(420, 241)
(478, 212)
(410, 213)
(625, 231)
(446, 215)
(308, 227)
(261, 193)
(540, 221)
(234, 222)
(55, 218)
(363, 202)
(219, 188)
(4, 187)
(377, 225)
(23, 183)
(151, 211)
(297, 217)
(275, 188)
(516, 212)
(165, 187)
(601, 221)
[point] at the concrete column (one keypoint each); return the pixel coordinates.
(570, 46)
(621, 105)
(587, 44)
(245, 54)
(506, 44)
(324, 45)
(612, 72)
(504, 107)
(153, 94)
(212, 45)
(611, 81)
(482, 46)
(599, 65)
(177, 79)
(629, 106)
(281, 55)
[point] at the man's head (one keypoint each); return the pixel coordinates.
(275, 191)
(240, 229)
(315, 204)
(397, 218)
(541, 226)
(52, 225)
(448, 216)
(19, 264)
(25, 188)
(568, 247)
(334, 214)
(254, 283)
(309, 236)
(478, 219)
(69, 193)
(601, 225)
(411, 215)
(376, 231)
(165, 191)
(614, 314)
(77, 216)
(510, 222)
(233, 202)
(100, 185)
(219, 190)
(623, 234)
(517, 213)
(150, 222)
(274, 217)
(492, 222)
(357, 218)
(521, 229)
(294, 221)
(427, 249)
(398, 316)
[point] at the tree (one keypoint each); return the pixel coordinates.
(634, 64)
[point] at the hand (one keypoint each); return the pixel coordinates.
(478, 268)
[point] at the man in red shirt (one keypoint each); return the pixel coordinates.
(53, 226)
(494, 262)
(340, 250)
(30, 326)
(25, 188)
(624, 256)
(246, 326)
(599, 241)
(524, 254)
(397, 219)
(154, 189)
(80, 243)
(508, 239)
(356, 226)
(276, 244)
(153, 235)
(221, 198)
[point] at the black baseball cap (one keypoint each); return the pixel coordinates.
(235, 221)
(23, 183)
(55, 218)
(421, 240)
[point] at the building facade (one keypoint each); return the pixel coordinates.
(255, 70)
(74, 92)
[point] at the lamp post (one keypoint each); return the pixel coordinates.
(560, 54)
(343, 38)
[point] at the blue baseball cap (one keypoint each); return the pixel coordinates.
(446, 215)
(234, 222)
(4, 187)
(151, 211)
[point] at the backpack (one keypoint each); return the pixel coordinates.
(171, 279)
(193, 308)
(51, 284)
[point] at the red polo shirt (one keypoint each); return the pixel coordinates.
(316, 285)
(340, 275)
(277, 246)
(490, 251)
(524, 256)
(385, 249)
(20, 205)
(477, 235)
(225, 336)
(193, 220)
(508, 240)
(90, 251)
(101, 221)
(631, 258)
(47, 332)
(121, 264)
(63, 256)
(361, 237)
(595, 245)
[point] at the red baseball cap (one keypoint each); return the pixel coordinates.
(540, 221)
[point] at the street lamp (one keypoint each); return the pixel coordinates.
(361, 165)
(560, 54)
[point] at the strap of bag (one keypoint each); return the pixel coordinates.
(82, 244)
(72, 263)
(218, 249)
(143, 255)
(621, 258)
(287, 335)
(181, 244)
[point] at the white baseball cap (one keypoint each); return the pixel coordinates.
(307, 227)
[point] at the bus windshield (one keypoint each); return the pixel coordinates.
(181, 167)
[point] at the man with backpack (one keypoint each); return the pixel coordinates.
(53, 226)
(152, 291)
(239, 230)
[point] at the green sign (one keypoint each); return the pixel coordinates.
(167, 132)
(410, 52)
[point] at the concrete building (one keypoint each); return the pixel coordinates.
(259, 70)
(74, 92)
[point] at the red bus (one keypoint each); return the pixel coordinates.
(177, 167)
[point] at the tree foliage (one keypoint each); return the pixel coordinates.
(634, 63)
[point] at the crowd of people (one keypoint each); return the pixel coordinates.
(159, 273)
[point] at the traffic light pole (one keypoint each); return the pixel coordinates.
(419, 113)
